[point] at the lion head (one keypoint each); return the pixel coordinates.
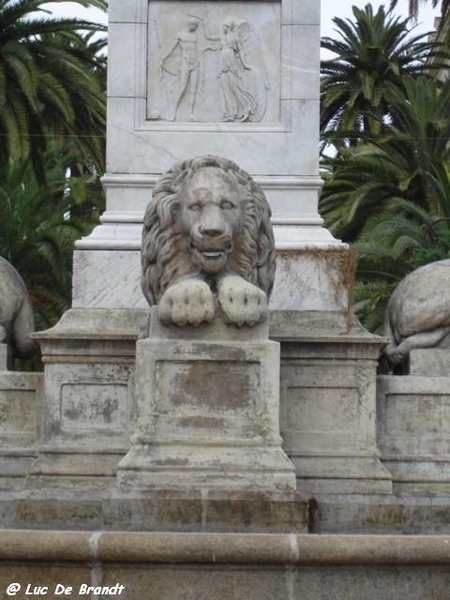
(207, 218)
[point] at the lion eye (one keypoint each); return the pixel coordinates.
(195, 206)
(226, 205)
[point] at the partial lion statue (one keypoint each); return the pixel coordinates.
(207, 241)
(16, 313)
(418, 312)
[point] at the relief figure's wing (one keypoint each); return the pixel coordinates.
(255, 74)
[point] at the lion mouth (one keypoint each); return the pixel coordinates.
(212, 254)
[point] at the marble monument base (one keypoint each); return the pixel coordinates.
(414, 419)
(207, 427)
(88, 407)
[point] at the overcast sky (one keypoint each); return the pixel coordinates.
(330, 9)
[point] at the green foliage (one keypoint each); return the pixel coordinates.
(39, 226)
(410, 162)
(52, 131)
(398, 239)
(372, 52)
(51, 83)
(387, 190)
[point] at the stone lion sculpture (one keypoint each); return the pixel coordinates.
(207, 242)
(418, 312)
(16, 313)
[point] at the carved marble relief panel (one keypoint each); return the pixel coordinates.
(214, 61)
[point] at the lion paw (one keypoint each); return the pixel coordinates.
(188, 302)
(243, 303)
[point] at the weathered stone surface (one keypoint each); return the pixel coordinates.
(119, 287)
(158, 510)
(206, 510)
(254, 567)
(98, 505)
(328, 409)
(377, 583)
(413, 422)
(56, 510)
(318, 280)
(89, 391)
(207, 411)
(199, 583)
(21, 407)
(16, 313)
(430, 362)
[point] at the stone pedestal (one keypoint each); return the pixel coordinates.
(208, 411)
(413, 413)
(20, 426)
(207, 439)
(328, 419)
(414, 420)
(89, 386)
(328, 416)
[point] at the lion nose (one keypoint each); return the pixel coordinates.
(211, 231)
(211, 224)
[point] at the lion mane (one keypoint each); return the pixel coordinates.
(165, 254)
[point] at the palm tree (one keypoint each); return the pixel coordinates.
(443, 33)
(411, 162)
(414, 6)
(372, 53)
(38, 228)
(390, 196)
(51, 82)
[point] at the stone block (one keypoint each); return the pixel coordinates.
(255, 512)
(430, 362)
(314, 280)
(306, 12)
(201, 583)
(89, 391)
(57, 512)
(123, 81)
(158, 510)
(373, 583)
(206, 510)
(207, 410)
(133, 11)
(20, 409)
(21, 398)
(413, 421)
(328, 410)
(260, 567)
(118, 288)
(299, 64)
